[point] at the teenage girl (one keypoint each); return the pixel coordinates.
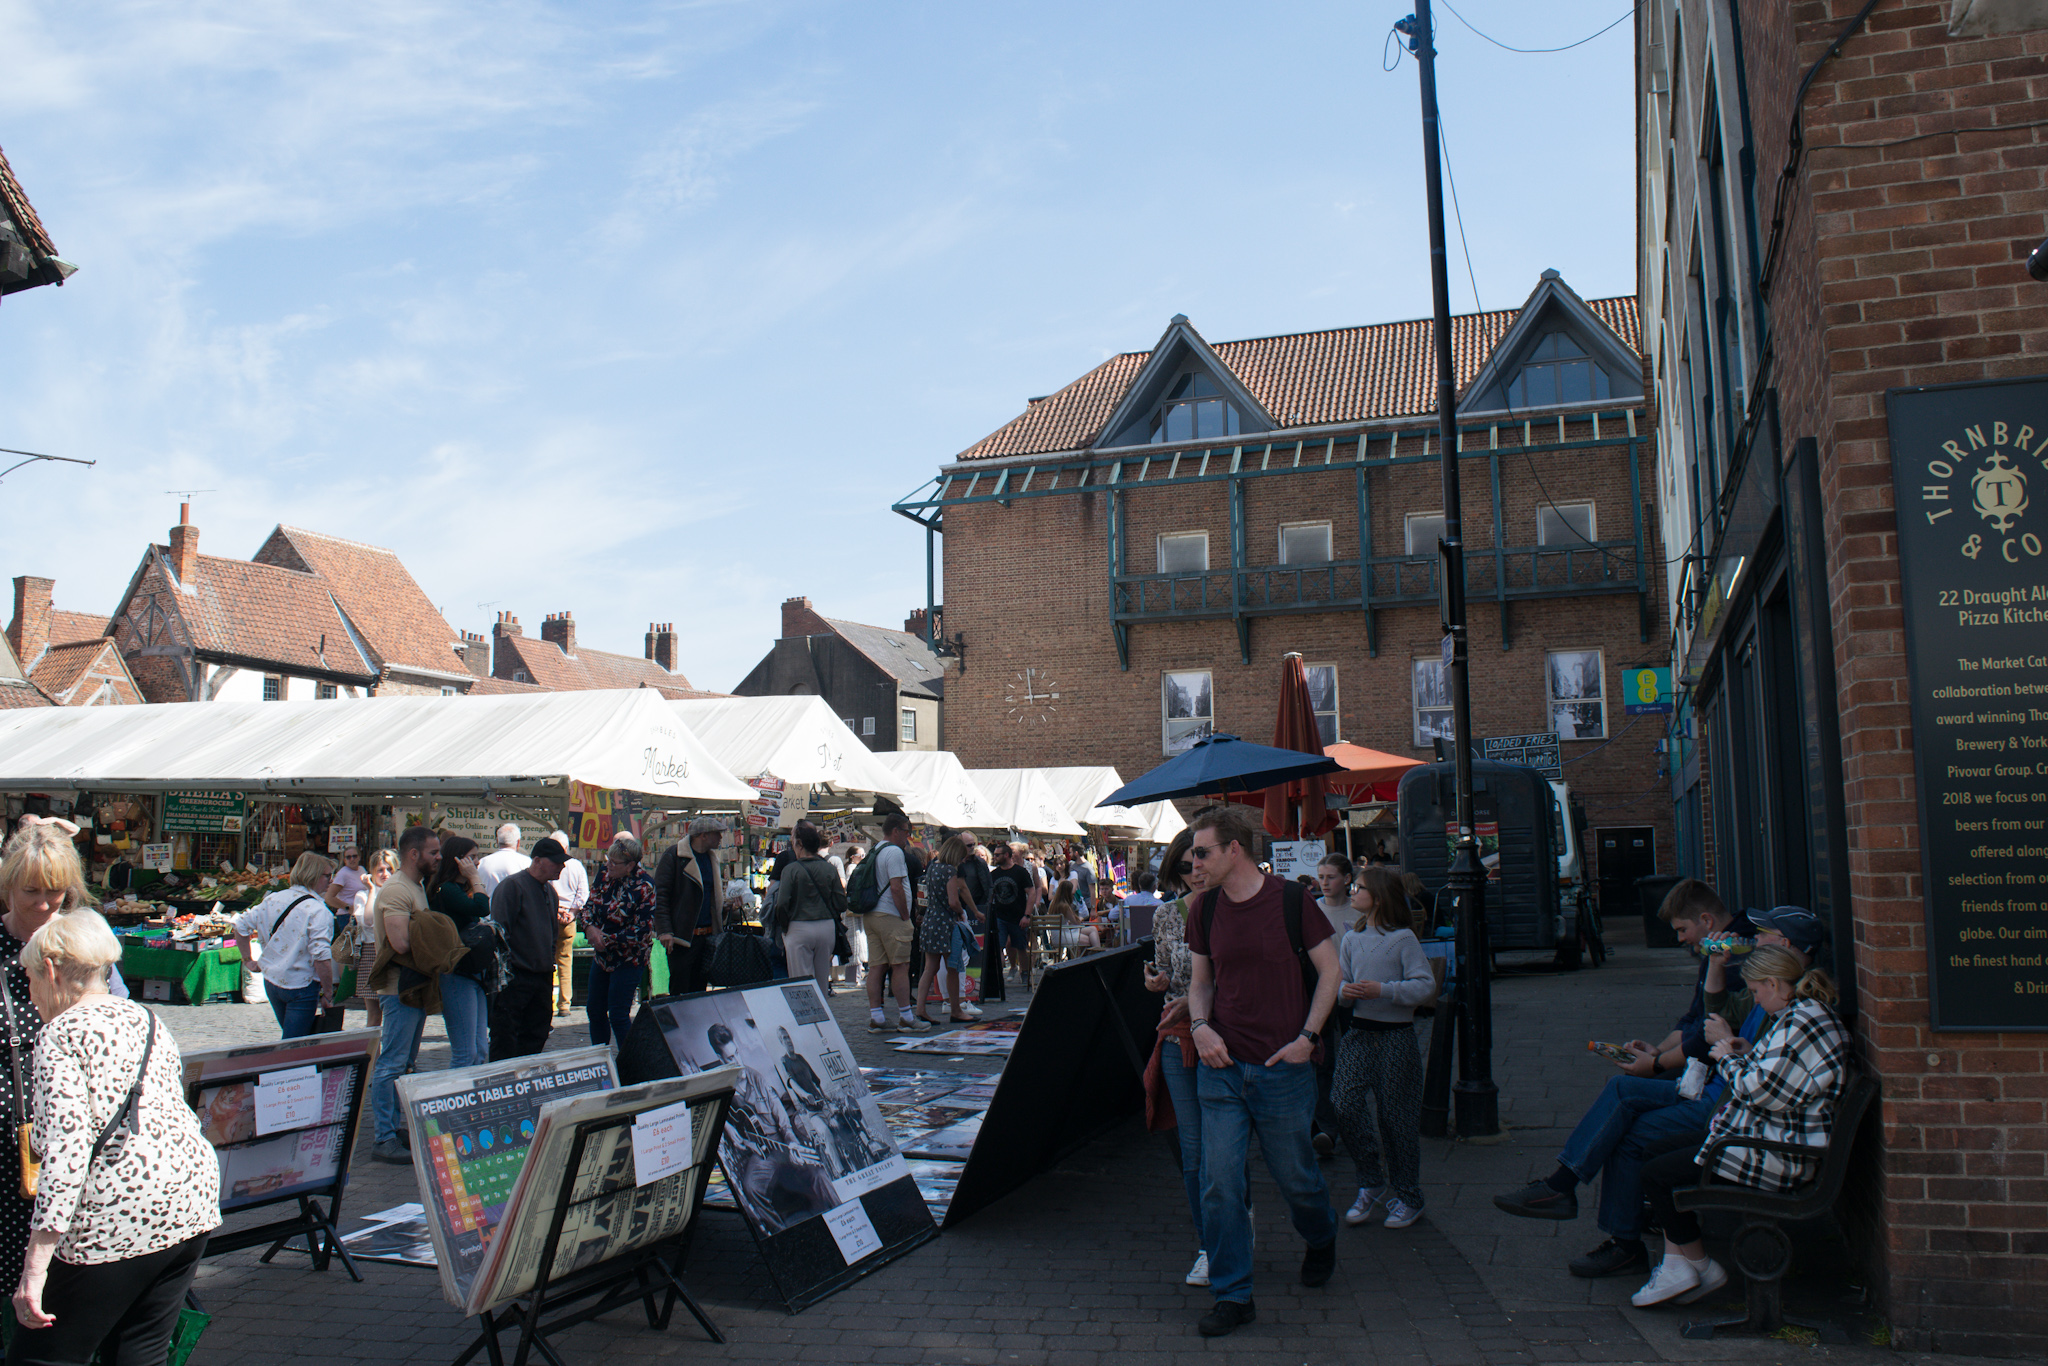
(1378, 1090)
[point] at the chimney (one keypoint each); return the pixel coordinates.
(184, 546)
(476, 654)
(503, 629)
(799, 620)
(560, 627)
(30, 630)
(914, 623)
(661, 644)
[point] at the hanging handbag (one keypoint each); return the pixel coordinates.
(739, 958)
(24, 1126)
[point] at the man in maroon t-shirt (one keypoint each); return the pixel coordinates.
(1257, 1027)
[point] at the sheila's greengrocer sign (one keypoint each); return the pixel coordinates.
(204, 813)
(1967, 461)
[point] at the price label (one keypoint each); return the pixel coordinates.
(340, 837)
(157, 857)
(287, 1100)
(853, 1231)
(662, 1143)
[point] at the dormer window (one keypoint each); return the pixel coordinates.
(1558, 371)
(1194, 410)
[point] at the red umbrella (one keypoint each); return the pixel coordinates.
(1295, 810)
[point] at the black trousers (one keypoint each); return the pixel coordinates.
(123, 1310)
(1662, 1175)
(689, 964)
(522, 1013)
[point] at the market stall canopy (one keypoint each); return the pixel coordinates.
(522, 745)
(1083, 787)
(1369, 775)
(1025, 802)
(1219, 764)
(796, 739)
(938, 790)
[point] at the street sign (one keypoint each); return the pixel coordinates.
(1538, 751)
(1646, 690)
(1450, 647)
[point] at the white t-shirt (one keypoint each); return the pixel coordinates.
(572, 888)
(306, 937)
(493, 869)
(890, 865)
(351, 881)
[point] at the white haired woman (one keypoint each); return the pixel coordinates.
(128, 1189)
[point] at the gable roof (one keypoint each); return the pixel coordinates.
(498, 687)
(66, 627)
(1346, 374)
(18, 220)
(549, 669)
(62, 666)
(259, 614)
(385, 604)
(15, 689)
(913, 663)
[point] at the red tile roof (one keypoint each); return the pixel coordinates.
(271, 616)
(14, 203)
(494, 687)
(15, 696)
(1347, 374)
(66, 626)
(63, 667)
(384, 602)
(588, 669)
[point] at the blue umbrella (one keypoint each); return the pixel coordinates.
(1219, 764)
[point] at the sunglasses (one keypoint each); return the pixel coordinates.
(1203, 851)
(1184, 867)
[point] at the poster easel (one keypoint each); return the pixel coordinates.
(305, 1164)
(600, 1167)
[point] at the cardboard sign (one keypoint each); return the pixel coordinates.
(290, 1099)
(1295, 858)
(340, 837)
(853, 1231)
(157, 857)
(662, 1143)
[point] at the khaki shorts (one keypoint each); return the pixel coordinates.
(889, 939)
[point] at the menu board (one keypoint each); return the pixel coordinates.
(1966, 460)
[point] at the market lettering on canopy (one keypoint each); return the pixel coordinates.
(662, 770)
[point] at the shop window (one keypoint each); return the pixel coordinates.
(908, 735)
(1187, 709)
(1430, 693)
(273, 689)
(1558, 371)
(1194, 410)
(1322, 696)
(1578, 700)
(1182, 552)
(326, 692)
(1424, 530)
(1305, 543)
(1565, 524)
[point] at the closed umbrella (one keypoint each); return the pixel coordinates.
(1295, 809)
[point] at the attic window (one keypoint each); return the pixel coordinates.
(519, 675)
(918, 665)
(1194, 410)
(1558, 371)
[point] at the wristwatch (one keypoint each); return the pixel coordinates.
(1194, 1025)
(1311, 1036)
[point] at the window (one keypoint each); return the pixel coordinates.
(1565, 524)
(1558, 371)
(867, 725)
(519, 675)
(273, 689)
(1425, 529)
(1305, 543)
(1322, 696)
(325, 692)
(1187, 709)
(1194, 410)
(1181, 552)
(448, 690)
(1431, 691)
(1578, 702)
(908, 735)
(848, 720)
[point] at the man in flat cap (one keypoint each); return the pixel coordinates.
(524, 905)
(688, 906)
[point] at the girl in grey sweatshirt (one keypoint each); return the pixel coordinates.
(1378, 1090)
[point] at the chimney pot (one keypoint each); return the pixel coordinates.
(661, 644)
(799, 619)
(30, 630)
(560, 628)
(184, 546)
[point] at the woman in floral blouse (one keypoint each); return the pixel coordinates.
(619, 922)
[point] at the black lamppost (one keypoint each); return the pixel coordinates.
(1476, 1098)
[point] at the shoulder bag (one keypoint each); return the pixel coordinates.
(24, 1125)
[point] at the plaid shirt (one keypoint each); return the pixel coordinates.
(1783, 1088)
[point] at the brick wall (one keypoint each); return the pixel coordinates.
(1903, 267)
(162, 678)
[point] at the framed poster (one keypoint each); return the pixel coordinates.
(280, 1115)
(1966, 462)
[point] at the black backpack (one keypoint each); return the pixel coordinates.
(1291, 900)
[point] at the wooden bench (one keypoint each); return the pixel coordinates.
(1762, 1250)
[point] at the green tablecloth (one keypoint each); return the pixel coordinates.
(200, 975)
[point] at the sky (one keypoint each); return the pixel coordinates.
(649, 311)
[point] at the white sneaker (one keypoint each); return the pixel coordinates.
(910, 1024)
(1400, 1213)
(970, 1010)
(1673, 1277)
(1198, 1274)
(1712, 1277)
(1361, 1210)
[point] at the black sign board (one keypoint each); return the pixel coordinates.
(1537, 751)
(1966, 460)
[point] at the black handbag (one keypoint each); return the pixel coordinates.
(739, 958)
(480, 964)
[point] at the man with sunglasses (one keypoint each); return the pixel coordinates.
(1013, 898)
(1256, 1023)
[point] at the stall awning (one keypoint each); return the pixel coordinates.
(1082, 788)
(796, 739)
(937, 790)
(493, 747)
(1025, 802)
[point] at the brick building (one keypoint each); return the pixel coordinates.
(1837, 200)
(557, 663)
(66, 657)
(888, 686)
(1132, 556)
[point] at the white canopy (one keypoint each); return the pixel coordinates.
(528, 745)
(796, 739)
(937, 790)
(1025, 801)
(1082, 789)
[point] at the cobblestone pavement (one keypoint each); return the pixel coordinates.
(1084, 1264)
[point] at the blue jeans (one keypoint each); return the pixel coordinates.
(467, 1012)
(1010, 934)
(1277, 1103)
(295, 1007)
(1634, 1120)
(963, 949)
(1187, 1116)
(610, 1003)
(398, 1047)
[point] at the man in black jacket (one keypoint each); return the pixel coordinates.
(689, 903)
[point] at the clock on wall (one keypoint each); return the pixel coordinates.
(1031, 697)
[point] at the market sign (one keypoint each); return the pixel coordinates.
(1538, 751)
(1645, 691)
(1966, 462)
(205, 813)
